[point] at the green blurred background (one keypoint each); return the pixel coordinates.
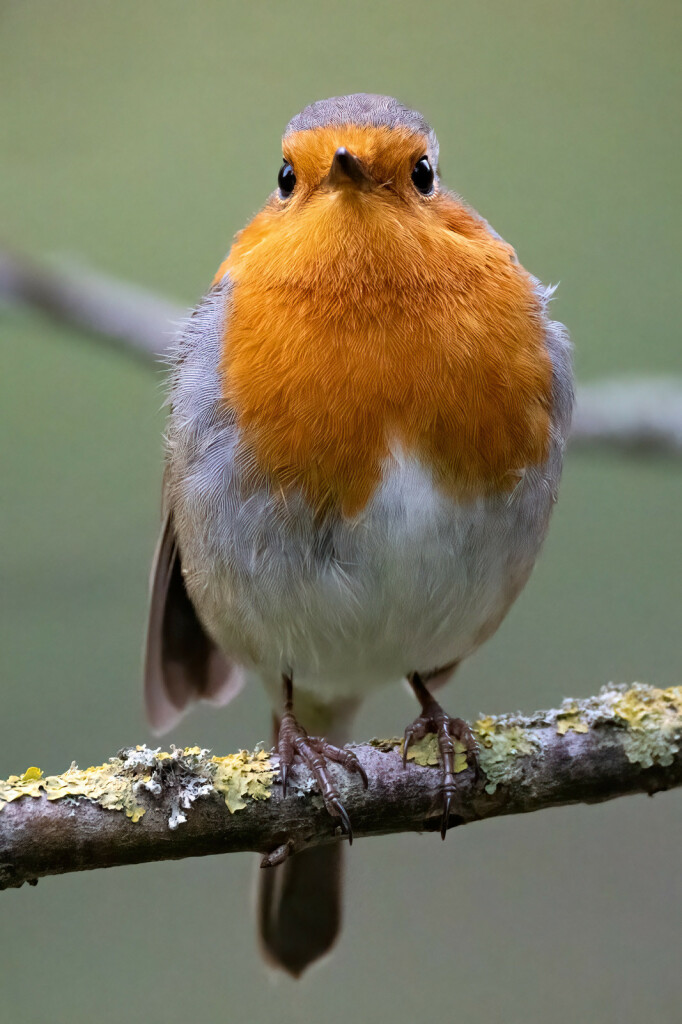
(138, 136)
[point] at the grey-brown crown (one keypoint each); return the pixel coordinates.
(363, 108)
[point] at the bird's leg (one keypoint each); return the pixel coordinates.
(314, 752)
(434, 720)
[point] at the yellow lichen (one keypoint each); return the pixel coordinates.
(653, 721)
(183, 775)
(569, 718)
(387, 745)
(243, 775)
(485, 729)
(105, 784)
(426, 752)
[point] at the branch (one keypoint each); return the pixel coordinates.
(639, 415)
(636, 415)
(146, 805)
(122, 315)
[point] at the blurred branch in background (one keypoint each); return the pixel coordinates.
(146, 805)
(126, 317)
(637, 415)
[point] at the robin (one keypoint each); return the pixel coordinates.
(368, 414)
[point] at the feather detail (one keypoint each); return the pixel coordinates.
(182, 663)
(364, 320)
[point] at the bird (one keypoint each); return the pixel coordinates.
(368, 415)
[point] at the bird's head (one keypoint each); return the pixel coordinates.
(358, 187)
(367, 150)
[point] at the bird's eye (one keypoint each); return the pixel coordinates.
(286, 179)
(422, 176)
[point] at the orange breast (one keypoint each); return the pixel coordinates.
(356, 328)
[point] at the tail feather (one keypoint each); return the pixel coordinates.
(299, 901)
(299, 908)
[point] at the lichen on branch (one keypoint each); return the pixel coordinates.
(181, 776)
(145, 805)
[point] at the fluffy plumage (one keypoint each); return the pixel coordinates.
(365, 320)
(368, 416)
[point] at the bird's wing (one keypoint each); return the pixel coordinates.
(182, 663)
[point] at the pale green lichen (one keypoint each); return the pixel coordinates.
(502, 745)
(648, 720)
(653, 723)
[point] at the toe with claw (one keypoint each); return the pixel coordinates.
(316, 753)
(434, 719)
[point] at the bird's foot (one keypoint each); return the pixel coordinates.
(448, 731)
(315, 753)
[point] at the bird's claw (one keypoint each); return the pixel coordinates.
(316, 753)
(434, 720)
(341, 756)
(407, 741)
(444, 821)
(337, 810)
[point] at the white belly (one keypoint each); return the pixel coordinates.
(416, 582)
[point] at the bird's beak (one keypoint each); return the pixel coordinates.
(346, 169)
